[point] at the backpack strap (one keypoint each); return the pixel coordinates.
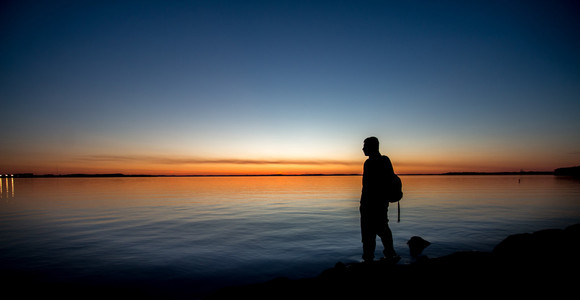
(398, 211)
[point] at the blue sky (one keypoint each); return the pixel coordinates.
(288, 86)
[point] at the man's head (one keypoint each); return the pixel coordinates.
(371, 146)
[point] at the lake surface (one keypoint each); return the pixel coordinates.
(197, 234)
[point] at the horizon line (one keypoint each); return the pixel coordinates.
(31, 175)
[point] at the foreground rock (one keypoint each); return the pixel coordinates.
(543, 263)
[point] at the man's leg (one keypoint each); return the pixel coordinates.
(369, 245)
(387, 238)
(385, 234)
(368, 235)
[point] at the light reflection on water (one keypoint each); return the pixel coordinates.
(212, 231)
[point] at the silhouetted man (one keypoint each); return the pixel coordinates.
(374, 204)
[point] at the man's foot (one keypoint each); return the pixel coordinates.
(391, 259)
(368, 261)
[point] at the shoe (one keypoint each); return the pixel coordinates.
(368, 261)
(391, 259)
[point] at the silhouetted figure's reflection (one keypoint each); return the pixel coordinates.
(373, 203)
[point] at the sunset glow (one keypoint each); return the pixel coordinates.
(288, 87)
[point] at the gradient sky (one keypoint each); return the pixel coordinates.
(236, 87)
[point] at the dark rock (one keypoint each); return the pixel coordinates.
(416, 246)
(543, 263)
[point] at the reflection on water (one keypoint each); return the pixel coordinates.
(213, 231)
(6, 186)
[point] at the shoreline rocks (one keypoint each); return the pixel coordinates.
(529, 264)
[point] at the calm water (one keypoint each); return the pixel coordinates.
(202, 233)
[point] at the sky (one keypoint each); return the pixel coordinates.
(288, 87)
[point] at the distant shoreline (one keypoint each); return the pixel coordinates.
(31, 175)
(569, 171)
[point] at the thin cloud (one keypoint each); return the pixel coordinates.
(233, 161)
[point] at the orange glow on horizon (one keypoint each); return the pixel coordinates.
(403, 163)
(258, 168)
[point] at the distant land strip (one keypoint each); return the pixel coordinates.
(571, 171)
(31, 175)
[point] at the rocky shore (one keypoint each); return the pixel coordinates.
(543, 263)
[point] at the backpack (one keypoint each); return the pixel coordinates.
(396, 193)
(395, 189)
